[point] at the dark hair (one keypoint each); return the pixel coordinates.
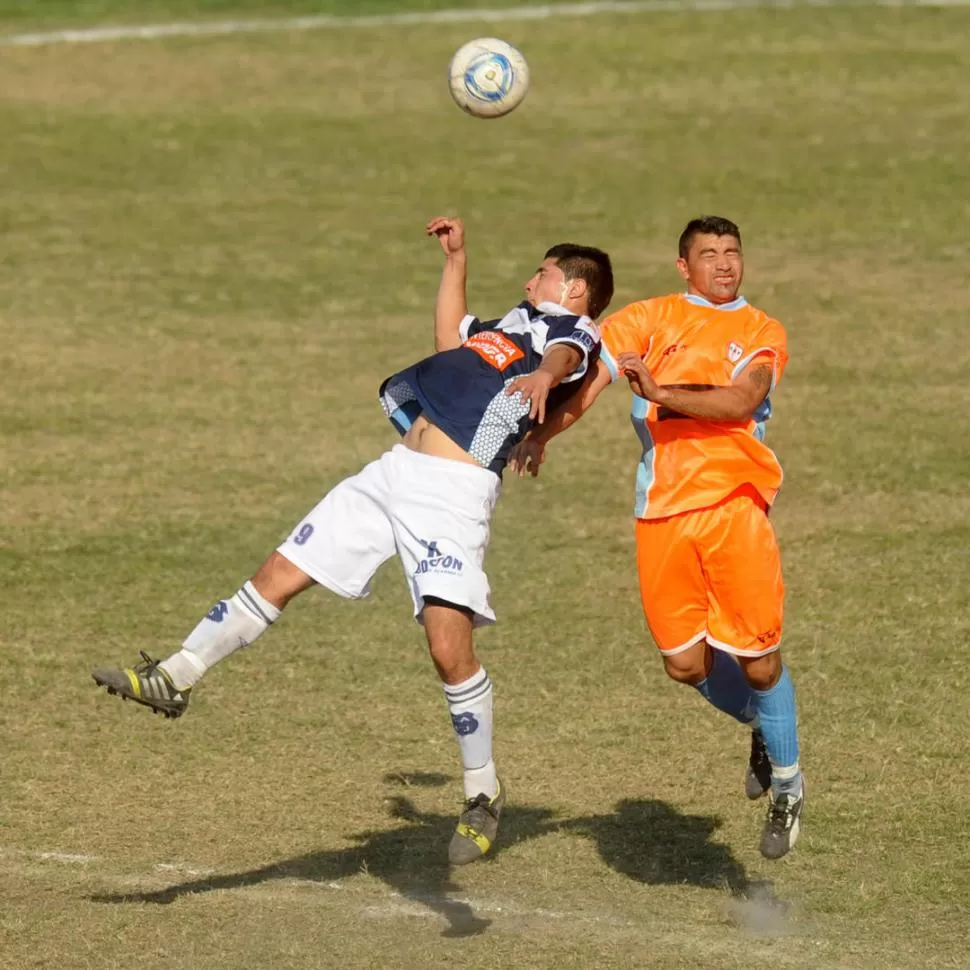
(589, 264)
(706, 225)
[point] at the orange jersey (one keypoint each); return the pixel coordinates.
(684, 340)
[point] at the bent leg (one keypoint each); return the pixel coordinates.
(688, 666)
(278, 580)
(236, 622)
(747, 609)
(340, 543)
(673, 589)
(717, 677)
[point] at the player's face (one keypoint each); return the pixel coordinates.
(714, 267)
(548, 284)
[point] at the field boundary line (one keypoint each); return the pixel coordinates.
(393, 901)
(591, 8)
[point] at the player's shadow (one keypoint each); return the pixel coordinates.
(410, 858)
(646, 840)
(650, 841)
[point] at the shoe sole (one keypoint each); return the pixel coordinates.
(168, 713)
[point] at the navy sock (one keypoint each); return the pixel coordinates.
(727, 689)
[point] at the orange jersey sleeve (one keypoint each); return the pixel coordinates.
(628, 330)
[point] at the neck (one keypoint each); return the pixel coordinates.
(575, 309)
(570, 306)
(717, 301)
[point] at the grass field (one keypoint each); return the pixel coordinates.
(133, 11)
(213, 254)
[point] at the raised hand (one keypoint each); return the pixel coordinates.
(450, 233)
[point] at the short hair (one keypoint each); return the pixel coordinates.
(589, 264)
(706, 225)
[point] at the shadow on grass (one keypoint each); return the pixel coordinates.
(650, 841)
(411, 859)
(646, 840)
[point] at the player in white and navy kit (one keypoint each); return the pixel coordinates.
(428, 500)
(464, 391)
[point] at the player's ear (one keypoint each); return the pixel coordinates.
(577, 289)
(682, 268)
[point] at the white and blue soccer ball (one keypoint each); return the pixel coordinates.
(488, 77)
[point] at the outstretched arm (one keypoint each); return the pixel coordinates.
(529, 454)
(450, 307)
(733, 402)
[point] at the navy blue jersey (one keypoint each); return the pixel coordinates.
(462, 391)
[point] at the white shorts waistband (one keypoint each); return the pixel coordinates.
(449, 465)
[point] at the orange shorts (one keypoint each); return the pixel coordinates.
(715, 574)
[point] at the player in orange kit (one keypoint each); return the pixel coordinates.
(701, 365)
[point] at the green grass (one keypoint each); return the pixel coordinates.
(213, 253)
(128, 11)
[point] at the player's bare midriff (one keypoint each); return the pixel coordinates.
(429, 439)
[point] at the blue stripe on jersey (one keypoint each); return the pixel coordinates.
(462, 391)
(645, 469)
(760, 418)
(610, 362)
(403, 417)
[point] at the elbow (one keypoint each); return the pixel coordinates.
(741, 407)
(743, 412)
(569, 363)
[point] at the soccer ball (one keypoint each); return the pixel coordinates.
(488, 78)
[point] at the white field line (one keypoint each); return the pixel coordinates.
(393, 902)
(208, 28)
(68, 857)
(181, 869)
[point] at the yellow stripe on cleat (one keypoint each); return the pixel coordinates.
(135, 685)
(469, 833)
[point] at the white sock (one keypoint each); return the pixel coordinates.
(470, 705)
(229, 625)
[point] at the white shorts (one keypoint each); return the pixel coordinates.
(433, 512)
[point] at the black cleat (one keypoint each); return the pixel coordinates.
(782, 824)
(145, 683)
(477, 828)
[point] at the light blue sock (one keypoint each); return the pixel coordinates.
(776, 712)
(726, 688)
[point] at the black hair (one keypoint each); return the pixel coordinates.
(589, 264)
(706, 225)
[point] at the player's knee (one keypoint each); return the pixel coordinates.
(684, 668)
(762, 673)
(279, 580)
(454, 661)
